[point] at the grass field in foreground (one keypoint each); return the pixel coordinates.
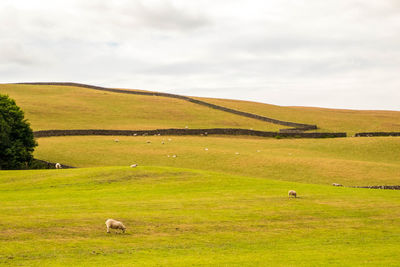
(179, 217)
(66, 107)
(350, 161)
(328, 120)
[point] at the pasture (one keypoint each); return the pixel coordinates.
(328, 120)
(68, 107)
(181, 217)
(349, 161)
(198, 200)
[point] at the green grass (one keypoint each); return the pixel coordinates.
(180, 217)
(328, 120)
(221, 202)
(350, 161)
(66, 107)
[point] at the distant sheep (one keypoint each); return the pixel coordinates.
(292, 193)
(148, 142)
(116, 140)
(58, 166)
(134, 165)
(114, 224)
(174, 156)
(335, 184)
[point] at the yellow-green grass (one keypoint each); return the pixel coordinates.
(66, 107)
(350, 161)
(328, 120)
(180, 217)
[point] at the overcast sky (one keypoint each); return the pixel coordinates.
(326, 53)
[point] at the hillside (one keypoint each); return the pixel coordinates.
(327, 120)
(67, 107)
(181, 217)
(350, 161)
(211, 200)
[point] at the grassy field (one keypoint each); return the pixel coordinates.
(328, 120)
(65, 107)
(222, 201)
(350, 161)
(180, 217)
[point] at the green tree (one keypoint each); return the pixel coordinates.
(16, 137)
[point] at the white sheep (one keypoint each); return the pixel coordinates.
(174, 156)
(116, 140)
(58, 166)
(114, 224)
(292, 193)
(335, 184)
(134, 165)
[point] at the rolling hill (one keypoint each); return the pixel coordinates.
(68, 107)
(198, 200)
(181, 217)
(328, 120)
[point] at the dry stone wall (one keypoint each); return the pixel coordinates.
(370, 134)
(203, 132)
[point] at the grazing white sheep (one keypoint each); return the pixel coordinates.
(206, 149)
(148, 142)
(114, 224)
(292, 193)
(169, 139)
(116, 140)
(174, 156)
(133, 165)
(162, 142)
(335, 184)
(134, 134)
(58, 166)
(237, 153)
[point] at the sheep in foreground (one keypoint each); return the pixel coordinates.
(292, 193)
(114, 224)
(58, 166)
(335, 184)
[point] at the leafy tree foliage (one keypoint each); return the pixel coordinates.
(16, 137)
